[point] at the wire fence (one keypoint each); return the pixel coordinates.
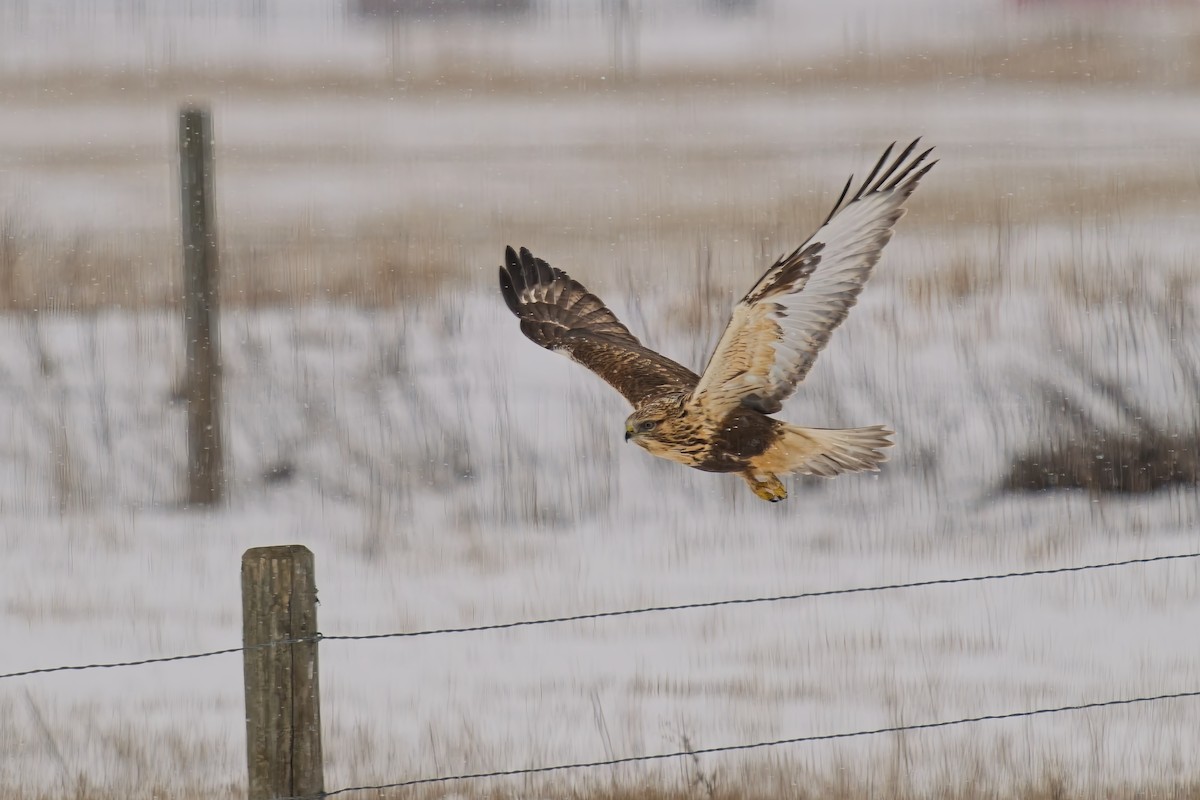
(810, 595)
(499, 626)
(828, 737)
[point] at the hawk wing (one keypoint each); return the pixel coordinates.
(560, 315)
(779, 327)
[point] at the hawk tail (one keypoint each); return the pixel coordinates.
(827, 452)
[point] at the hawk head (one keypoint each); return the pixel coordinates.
(659, 424)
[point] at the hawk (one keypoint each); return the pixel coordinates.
(718, 421)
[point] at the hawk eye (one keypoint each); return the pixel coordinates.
(647, 425)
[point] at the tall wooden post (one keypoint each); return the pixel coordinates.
(200, 275)
(283, 712)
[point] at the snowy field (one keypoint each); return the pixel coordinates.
(447, 473)
(383, 409)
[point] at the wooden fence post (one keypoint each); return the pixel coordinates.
(205, 457)
(283, 713)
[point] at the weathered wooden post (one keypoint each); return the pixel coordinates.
(283, 712)
(205, 457)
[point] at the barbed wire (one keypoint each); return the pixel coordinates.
(163, 659)
(610, 614)
(752, 600)
(756, 745)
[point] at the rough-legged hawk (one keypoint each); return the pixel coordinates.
(717, 421)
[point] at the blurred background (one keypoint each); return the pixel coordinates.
(1032, 334)
(368, 150)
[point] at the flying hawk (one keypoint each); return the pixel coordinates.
(718, 421)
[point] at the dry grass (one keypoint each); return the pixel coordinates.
(386, 261)
(1135, 455)
(799, 788)
(771, 784)
(273, 267)
(1108, 462)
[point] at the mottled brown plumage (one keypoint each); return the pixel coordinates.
(717, 421)
(559, 314)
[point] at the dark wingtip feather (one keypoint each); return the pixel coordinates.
(916, 162)
(881, 180)
(515, 274)
(523, 271)
(510, 293)
(874, 171)
(536, 270)
(545, 273)
(841, 197)
(912, 181)
(896, 164)
(529, 265)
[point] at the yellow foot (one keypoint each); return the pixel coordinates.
(771, 489)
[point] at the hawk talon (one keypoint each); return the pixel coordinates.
(772, 489)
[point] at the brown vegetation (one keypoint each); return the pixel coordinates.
(1133, 457)
(1129, 463)
(387, 261)
(780, 786)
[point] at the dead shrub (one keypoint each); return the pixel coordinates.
(1132, 456)
(1108, 462)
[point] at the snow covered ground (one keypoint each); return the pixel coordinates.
(446, 472)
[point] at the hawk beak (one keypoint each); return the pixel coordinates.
(628, 434)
